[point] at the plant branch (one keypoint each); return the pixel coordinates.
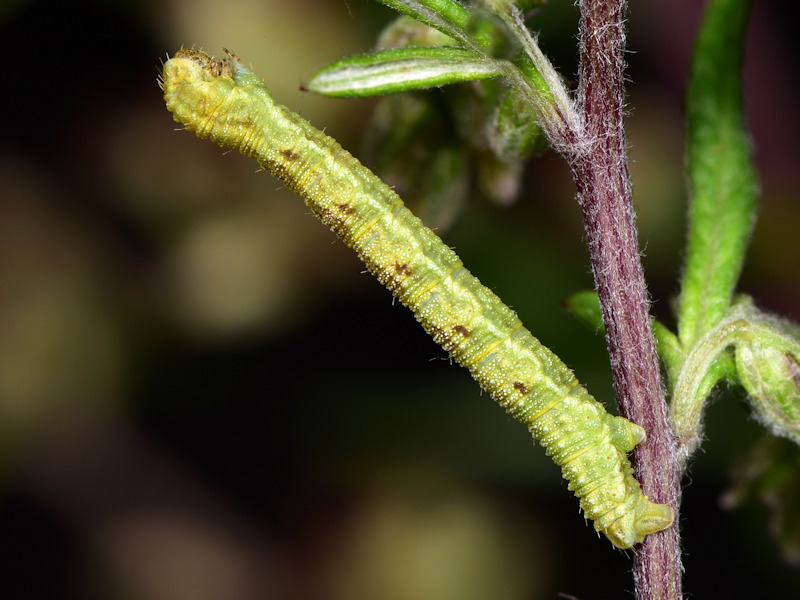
(723, 182)
(600, 168)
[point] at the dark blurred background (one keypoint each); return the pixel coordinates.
(203, 396)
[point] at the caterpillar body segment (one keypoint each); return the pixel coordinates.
(225, 102)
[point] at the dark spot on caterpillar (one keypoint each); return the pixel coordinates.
(462, 330)
(290, 155)
(520, 387)
(402, 269)
(345, 208)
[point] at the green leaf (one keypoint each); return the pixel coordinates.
(768, 366)
(515, 133)
(401, 70)
(585, 306)
(722, 179)
(771, 377)
(448, 16)
(757, 349)
(494, 33)
(449, 11)
(529, 5)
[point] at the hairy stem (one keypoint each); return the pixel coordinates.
(600, 168)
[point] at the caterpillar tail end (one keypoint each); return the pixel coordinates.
(647, 517)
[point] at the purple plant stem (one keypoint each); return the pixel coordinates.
(600, 168)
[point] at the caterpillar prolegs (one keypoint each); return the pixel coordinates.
(227, 103)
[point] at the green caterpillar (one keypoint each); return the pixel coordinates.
(226, 102)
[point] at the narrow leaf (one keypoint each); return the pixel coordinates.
(448, 16)
(585, 307)
(722, 179)
(432, 12)
(401, 70)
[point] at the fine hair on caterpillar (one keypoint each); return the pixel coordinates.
(226, 102)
